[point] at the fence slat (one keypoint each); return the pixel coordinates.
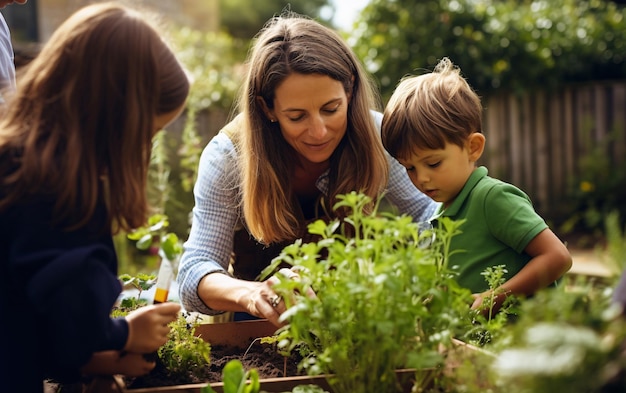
(536, 140)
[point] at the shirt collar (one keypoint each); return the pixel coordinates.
(454, 208)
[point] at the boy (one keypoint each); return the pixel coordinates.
(433, 126)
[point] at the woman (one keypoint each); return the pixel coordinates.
(306, 133)
(75, 149)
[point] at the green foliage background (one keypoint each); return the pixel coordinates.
(498, 44)
(244, 18)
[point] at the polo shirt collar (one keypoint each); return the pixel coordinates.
(454, 208)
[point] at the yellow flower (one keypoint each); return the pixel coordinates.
(586, 186)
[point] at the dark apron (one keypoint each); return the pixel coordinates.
(250, 257)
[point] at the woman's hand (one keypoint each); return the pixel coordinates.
(266, 303)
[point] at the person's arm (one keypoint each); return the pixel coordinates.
(78, 281)
(513, 221)
(550, 260)
(208, 248)
(117, 362)
(224, 292)
(204, 282)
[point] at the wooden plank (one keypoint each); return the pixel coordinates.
(493, 158)
(536, 142)
(515, 143)
(569, 146)
(540, 150)
(557, 151)
(600, 114)
(584, 121)
(526, 118)
(618, 123)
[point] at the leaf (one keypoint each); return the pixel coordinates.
(254, 386)
(137, 234)
(145, 242)
(233, 375)
(171, 246)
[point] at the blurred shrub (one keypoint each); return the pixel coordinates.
(498, 44)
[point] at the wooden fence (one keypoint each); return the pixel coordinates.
(536, 140)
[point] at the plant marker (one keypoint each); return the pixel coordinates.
(164, 280)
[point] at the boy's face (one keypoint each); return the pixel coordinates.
(442, 173)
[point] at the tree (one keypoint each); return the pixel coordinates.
(498, 44)
(244, 18)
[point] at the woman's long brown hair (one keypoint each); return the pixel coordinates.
(292, 43)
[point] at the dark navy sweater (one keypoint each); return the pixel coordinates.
(58, 289)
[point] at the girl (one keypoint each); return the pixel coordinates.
(75, 146)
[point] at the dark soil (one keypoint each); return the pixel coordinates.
(262, 357)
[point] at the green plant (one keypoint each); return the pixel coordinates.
(598, 188)
(489, 323)
(566, 339)
(382, 302)
(156, 239)
(141, 282)
(614, 256)
(500, 44)
(185, 353)
(237, 380)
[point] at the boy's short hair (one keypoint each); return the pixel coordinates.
(430, 110)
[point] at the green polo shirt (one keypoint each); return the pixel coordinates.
(500, 221)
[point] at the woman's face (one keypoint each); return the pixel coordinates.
(312, 111)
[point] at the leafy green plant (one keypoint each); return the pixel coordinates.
(382, 302)
(488, 323)
(185, 353)
(141, 282)
(500, 44)
(614, 256)
(154, 237)
(237, 380)
(566, 339)
(597, 189)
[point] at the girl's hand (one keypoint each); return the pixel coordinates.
(148, 327)
(117, 362)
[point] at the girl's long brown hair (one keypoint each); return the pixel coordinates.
(78, 131)
(292, 43)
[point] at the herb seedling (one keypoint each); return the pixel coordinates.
(382, 302)
(237, 380)
(487, 323)
(185, 353)
(141, 282)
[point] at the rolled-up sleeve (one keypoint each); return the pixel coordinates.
(215, 216)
